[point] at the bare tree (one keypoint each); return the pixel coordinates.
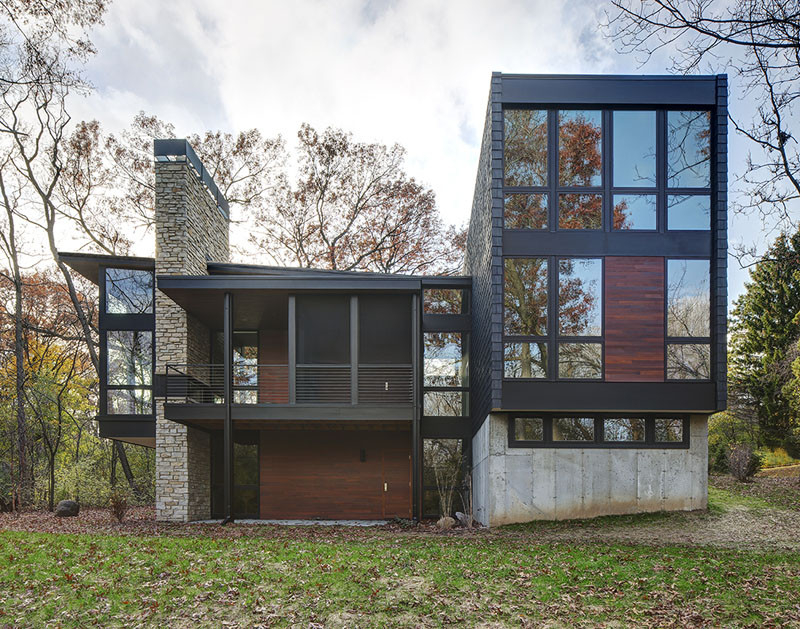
(355, 208)
(759, 40)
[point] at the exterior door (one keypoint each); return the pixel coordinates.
(396, 474)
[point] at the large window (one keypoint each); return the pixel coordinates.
(634, 149)
(551, 430)
(129, 291)
(688, 320)
(688, 149)
(525, 147)
(580, 155)
(445, 359)
(525, 293)
(246, 476)
(659, 177)
(129, 372)
(577, 305)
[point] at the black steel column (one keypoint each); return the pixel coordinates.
(417, 375)
(227, 335)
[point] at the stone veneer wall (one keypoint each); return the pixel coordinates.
(522, 484)
(190, 230)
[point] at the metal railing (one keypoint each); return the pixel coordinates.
(269, 384)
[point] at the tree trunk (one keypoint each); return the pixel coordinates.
(51, 498)
(126, 468)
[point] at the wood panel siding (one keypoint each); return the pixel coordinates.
(634, 319)
(273, 372)
(320, 474)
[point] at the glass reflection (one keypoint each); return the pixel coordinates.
(634, 211)
(689, 361)
(623, 429)
(689, 212)
(573, 429)
(688, 149)
(129, 358)
(525, 360)
(525, 296)
(129, 291)
(525, 147)
(130, 401)
(669, 430)
(580, 211)
(635, 149)
(580, 360)
(688, 298)
(579, 148)
(444, 403)
(580, 290)
(444, 301)
(529, 429)
(525, 211)
(445, 363)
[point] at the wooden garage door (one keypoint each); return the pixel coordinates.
(321, 474)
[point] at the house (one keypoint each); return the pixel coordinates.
(571, 368)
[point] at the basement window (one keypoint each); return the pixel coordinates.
(546, 430)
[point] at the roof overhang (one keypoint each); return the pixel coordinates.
(88, 264)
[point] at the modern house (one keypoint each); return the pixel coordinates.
(571, 368)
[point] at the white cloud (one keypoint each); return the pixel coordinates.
(415, 72)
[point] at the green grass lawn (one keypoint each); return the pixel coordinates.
(524, 575)
(375, 579)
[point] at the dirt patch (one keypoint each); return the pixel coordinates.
(756, 526)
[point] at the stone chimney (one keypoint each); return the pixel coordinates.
(191, 229)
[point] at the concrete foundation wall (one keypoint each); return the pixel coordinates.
(522, 484)
(189, 231)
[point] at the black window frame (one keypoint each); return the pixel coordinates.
(689, 340)
(124, 322)
(607, 187)
(553, 339)
(599, 441)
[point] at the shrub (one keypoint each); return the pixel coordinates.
(726, 430)
(118, 503)
(776, 458)
(743, 461)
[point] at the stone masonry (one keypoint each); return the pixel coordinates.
(190, 230)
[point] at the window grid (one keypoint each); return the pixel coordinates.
(553, 338)
(650, 441)
(607, 188)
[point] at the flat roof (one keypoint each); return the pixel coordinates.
(88, 264)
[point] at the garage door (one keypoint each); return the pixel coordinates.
(335, 474)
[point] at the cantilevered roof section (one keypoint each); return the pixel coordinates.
(88, 264)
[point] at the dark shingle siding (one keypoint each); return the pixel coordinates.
(721, 242)
(483, 228)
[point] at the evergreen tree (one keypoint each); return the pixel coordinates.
(765, 328)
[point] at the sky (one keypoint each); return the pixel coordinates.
(415, 72)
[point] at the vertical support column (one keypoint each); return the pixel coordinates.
(415, 427)
(353, 349)
(292, 349)
(227, 334)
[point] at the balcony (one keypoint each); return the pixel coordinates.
(267, 391)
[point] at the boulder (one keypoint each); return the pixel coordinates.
(67, 509)
(464, 520)
(446, 523)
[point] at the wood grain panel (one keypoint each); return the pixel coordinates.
(273, 374)
(319, 474)
(634, 319)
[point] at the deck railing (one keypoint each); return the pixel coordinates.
(269, 384)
